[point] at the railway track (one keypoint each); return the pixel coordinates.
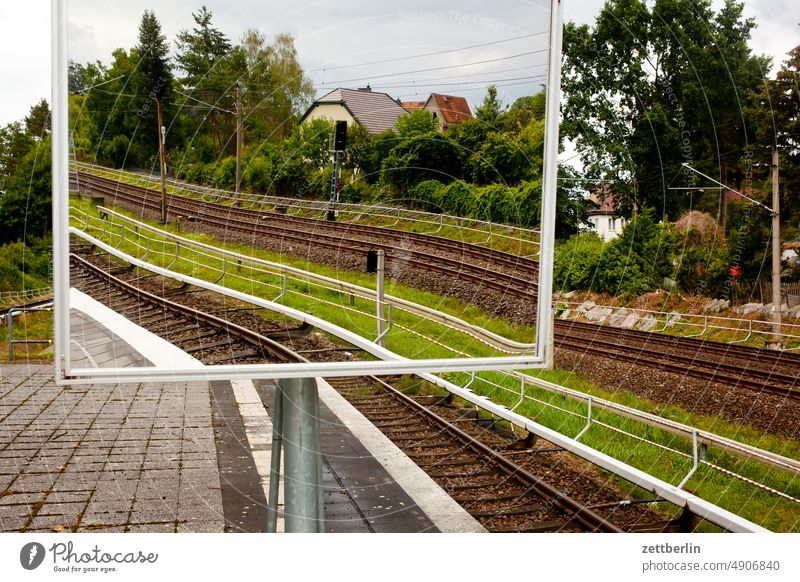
(485, 471)
(486, 268)
(758, 370)
(473, 464)
(210, 339)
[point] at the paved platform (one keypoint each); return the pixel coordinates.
(182, 456)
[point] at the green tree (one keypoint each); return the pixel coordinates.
(152, 81)
(15, 143)
(276, 88)
(431, 156)
(417, 122)
(653, 85)
(208, 76)
(25, 209)
(775, 111)
(491, 109)
(522, 112)
(111, 109)
(639, 259)
(37, 122)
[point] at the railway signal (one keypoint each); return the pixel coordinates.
(339, 144)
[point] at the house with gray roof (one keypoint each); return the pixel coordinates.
(374, 111)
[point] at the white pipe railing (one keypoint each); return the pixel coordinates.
(394, 363)
(706, 438)
(485, 336)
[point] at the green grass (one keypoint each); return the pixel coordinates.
(764, 508)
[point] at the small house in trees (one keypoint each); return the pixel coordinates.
(604, 216)
(374, 111)
(448, 110)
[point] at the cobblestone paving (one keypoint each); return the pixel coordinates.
(110, 458)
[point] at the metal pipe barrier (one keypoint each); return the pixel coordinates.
(393, 363)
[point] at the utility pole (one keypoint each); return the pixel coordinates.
(776, 251)
(775, 212)
(238, 141)
(162, 152)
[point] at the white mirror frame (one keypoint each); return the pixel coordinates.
(541, 357)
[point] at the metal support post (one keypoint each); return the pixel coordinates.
(381, 340)
(304, 510)
(11, 314)
(238, 142)
(283, 288)
(588, 420)
(696, 459)
(275, 461)
(335, 185)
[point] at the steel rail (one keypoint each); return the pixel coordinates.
(322, 206)
(585, 516)
(578, 511)
(279, 350)
(248, 220)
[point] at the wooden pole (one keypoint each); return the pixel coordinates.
(776, 250)
(162, 153)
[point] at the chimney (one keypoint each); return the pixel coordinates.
(366, 89)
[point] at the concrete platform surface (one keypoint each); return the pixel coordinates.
(183, 456)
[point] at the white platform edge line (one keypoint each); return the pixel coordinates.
(155, 349)
(445, 513)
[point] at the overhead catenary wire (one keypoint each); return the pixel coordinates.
(431, 54)
(443, 68)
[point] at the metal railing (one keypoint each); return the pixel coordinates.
(17, 296)
(701, 440)
(694, 325)
(662, 489)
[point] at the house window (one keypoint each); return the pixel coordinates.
(610, 224)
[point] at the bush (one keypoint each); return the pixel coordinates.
(576, 262)
(257, 176)
(639, 259)
(225, 174)
(24, 267)
(430, 156)
(115, 152)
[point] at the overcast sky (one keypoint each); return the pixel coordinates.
(334, 36)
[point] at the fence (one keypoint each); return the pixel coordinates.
(19, 296)
(761, 292)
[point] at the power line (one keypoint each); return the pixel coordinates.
(202, 102)
(436, 68)
(490, 81)
(396, 59)
(512, 70)
(473, 88)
